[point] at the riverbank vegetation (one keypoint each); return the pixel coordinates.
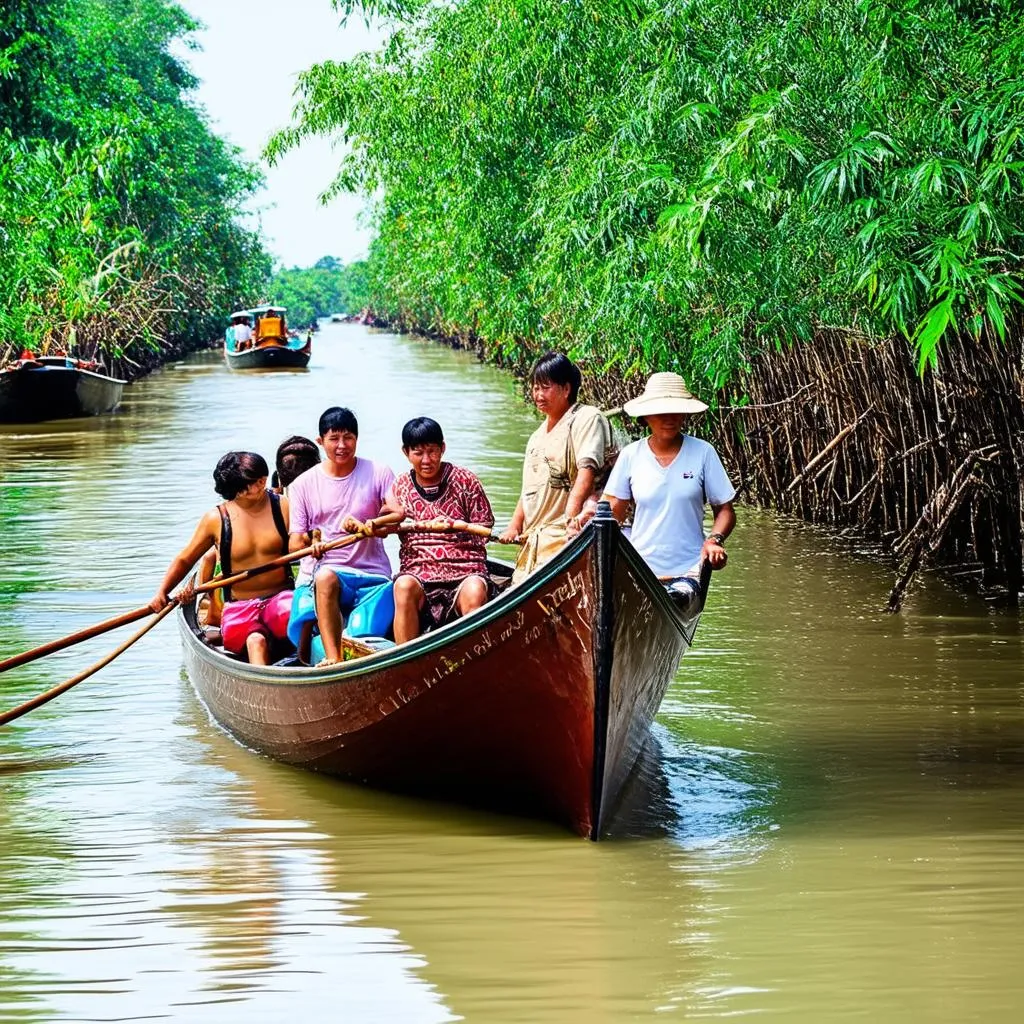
(119, 208)
(768, 197)
(329, 286)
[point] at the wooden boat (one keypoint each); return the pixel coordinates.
(538, 702)
(271, 345)
(54, 388)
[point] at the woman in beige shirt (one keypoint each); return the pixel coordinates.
(567, 461)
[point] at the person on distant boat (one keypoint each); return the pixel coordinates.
(270, 325)
(249, 528)
(240, 333)
(670, 476)
(338, 497)
(566, 464)
(441, 576)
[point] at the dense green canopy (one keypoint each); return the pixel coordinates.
(118, 206)
(681, 184)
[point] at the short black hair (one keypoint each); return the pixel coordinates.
(557, 368)
(236, 471)
(421, 430)
(295, 455)
(337, 418)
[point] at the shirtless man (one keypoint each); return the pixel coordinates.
(441, 576)
(337, 496)
(248, 529)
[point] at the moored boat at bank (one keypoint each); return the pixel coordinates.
(539, 702)
(260, 340)
(41, 388)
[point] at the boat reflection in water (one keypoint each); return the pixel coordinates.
(433, 911)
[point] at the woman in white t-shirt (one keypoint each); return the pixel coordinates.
(670, 476)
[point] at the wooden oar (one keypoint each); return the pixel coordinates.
(444, 526)
(56, 691)
(229, 581)
(139, 613)
(75, 638)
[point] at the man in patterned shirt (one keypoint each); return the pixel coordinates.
(441, 576)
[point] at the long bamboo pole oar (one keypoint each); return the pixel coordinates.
(133, 616)
(247, 574)
(75, 638)
(56, 691)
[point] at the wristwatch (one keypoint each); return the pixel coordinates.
(717, 538)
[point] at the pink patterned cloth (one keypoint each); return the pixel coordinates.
(443, 557)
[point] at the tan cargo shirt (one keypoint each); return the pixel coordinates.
(581, 439)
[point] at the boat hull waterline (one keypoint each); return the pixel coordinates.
(37, 394)
(538, 703)
(269, 357)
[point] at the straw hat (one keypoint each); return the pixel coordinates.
(664, 393)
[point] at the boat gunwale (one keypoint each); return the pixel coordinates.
(658, 592)
(106, 378)
(439, 639)
(427, 643)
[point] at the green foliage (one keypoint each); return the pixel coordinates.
(680, 184)
(118, 206)
(329, 286)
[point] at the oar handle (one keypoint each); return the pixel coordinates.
(56, 691)
(445, 526)
(75, 638)
(455, 526)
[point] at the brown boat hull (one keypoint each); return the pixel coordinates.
(538, 703)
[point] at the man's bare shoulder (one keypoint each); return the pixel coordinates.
(210, 522)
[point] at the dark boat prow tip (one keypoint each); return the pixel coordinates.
(540, 700)
(606, 534)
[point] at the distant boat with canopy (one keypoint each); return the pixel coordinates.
(259, 339)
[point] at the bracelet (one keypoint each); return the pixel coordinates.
(717, 538)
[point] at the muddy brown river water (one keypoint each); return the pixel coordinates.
(828, 826)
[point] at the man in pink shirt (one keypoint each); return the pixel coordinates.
(336, 497)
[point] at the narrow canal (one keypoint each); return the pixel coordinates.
(830, 827)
